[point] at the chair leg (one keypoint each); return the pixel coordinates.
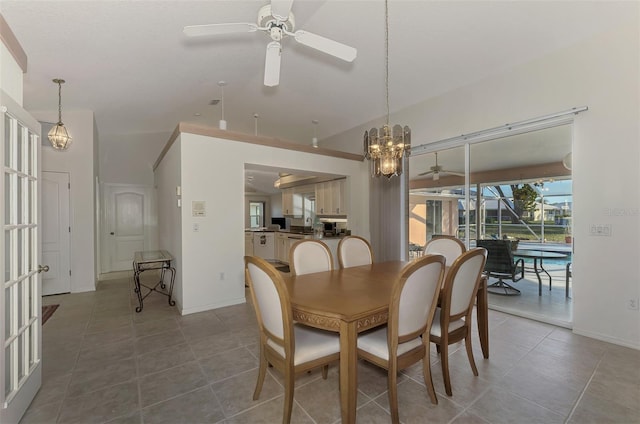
(262, 370)
(392, 381)
(325, 371)
(467, 343)
(289, 382)
(444, 360)
(428, 380)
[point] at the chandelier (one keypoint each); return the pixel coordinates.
(386, 147)
(58, 135)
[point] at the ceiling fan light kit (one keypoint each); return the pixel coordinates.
(386, 150)
(58, 135)
(277, 20)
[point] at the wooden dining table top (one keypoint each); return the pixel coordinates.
(345, 294)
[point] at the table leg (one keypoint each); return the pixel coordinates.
(348, 371)
(537, 271)
(545, 271)
(482, 315)
(173, 278)
(138, 290)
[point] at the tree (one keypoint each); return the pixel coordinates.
(524, 198)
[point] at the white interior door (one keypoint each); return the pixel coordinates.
(20, 319)
(128, 210)
(55, 232)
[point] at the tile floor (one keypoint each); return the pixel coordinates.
(104, 363)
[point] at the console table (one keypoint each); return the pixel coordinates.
(148, 260)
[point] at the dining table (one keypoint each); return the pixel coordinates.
(351, 300)
(539, 255)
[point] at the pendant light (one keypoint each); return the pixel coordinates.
(385, 147)
(58, 135)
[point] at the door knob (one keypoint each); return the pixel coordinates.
(44, 268)
(112, 233)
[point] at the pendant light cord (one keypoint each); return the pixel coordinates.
(59, 102)
(386, 57)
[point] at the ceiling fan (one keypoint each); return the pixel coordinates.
(277, 20)
(436, 170)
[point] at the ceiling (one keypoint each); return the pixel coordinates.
(129, 62)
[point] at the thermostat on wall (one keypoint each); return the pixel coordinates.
(199, 208)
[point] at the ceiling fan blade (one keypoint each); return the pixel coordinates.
(272, 64)
(425, 173)
(217, 29)
(457, 174)
(325, 45)
(280, 9)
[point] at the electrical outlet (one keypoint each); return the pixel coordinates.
(196, 228)
(632, 304)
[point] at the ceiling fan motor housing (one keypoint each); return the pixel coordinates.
(267, 20)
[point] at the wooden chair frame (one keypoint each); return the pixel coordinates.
(268, 355)
(397, 363)
(446, 338)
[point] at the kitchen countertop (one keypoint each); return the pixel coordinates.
(301, 233)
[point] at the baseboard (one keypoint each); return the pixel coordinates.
(608, 339)
(203, 308)
(116, 275)
(535, 317)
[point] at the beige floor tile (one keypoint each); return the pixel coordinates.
(199, 406)
(596, 410)
(173, 382)
(164, 359)
(270, 412)
(97, 378)
(500, 406)
(159, 341)
(101, 406)
(236, 393)
(227, 364)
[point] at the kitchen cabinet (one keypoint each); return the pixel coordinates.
(248, 244)
(282, 249)
(291, 203)
(331, 198)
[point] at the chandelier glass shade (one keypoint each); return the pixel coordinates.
(386, 147)
(58, 135)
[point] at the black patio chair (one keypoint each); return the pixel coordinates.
(501, 265)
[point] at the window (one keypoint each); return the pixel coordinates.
(256, 214)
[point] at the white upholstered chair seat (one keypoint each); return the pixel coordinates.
(375, 343)
(311, 344)
(436, 328)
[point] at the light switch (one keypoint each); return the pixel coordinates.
(196, 228)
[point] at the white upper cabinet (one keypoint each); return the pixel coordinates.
(291, 203)
(331, 198)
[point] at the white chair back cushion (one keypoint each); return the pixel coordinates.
(354, 252)
(446, 247)
(375, 343)
(268, 300)
(417, 296)
(464, 284)
(310, 256)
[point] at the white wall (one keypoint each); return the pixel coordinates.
(78, 161)
(129, 158)
(10, 75)
(167, 178)
(601, 73)
(212, 269)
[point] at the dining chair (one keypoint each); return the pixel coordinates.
(288, 347)
(449, 246)
(354, 251)
(405, 339)
(308, 256)
(452, 320)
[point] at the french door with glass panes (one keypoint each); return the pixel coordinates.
(20, 320)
